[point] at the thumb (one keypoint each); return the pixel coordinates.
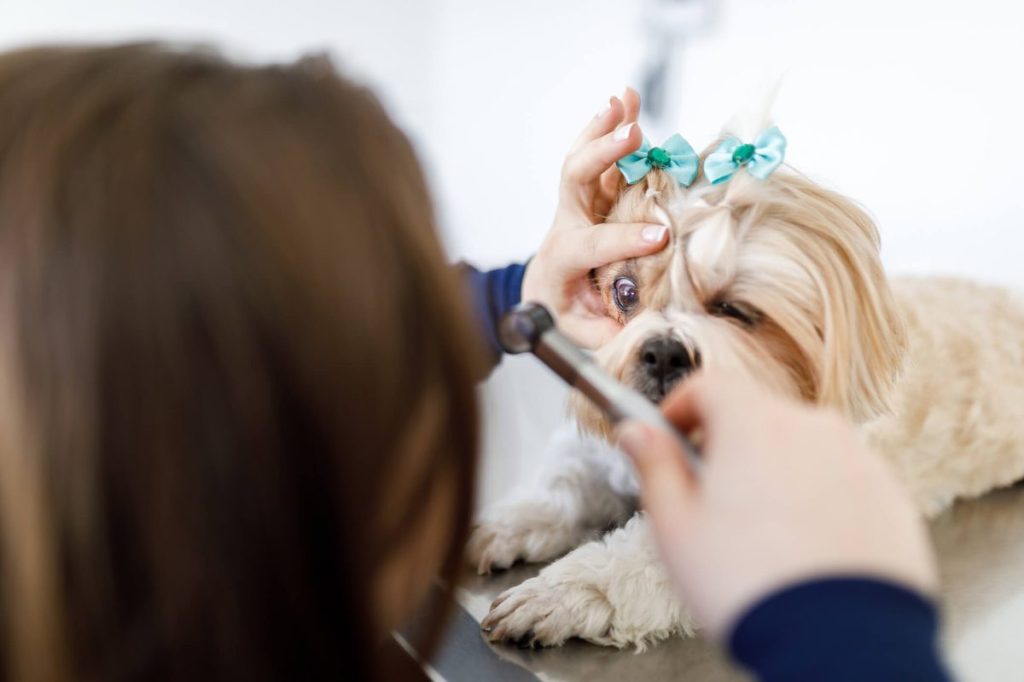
(667, 487)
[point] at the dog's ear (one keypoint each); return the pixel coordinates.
(861, 326)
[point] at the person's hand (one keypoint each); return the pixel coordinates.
(559, 274)
(788, 492)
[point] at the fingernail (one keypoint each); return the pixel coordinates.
(605, 110)
(654, 233)
(623, 132)
(633, 438)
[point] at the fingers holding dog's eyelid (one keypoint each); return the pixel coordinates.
(594, 246)
(599, 245)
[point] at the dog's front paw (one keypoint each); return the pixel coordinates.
(539, 613)
(528, 531)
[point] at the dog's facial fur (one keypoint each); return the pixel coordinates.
(778, 278)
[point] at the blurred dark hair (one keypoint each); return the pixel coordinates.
(227, 337)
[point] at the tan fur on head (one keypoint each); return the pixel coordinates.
(799, 260)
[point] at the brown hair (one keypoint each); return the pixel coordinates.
(234, 368)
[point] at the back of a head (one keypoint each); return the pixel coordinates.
(223, 309)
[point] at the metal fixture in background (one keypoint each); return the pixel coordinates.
(668, 26)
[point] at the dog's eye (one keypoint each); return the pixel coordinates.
(625, 294)
(736, 312)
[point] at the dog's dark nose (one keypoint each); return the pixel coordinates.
(665, 361)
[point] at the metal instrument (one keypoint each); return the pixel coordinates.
(529, 327)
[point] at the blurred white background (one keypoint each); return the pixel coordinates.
(914, 108)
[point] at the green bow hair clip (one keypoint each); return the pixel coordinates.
(675, 156)
(760, 158)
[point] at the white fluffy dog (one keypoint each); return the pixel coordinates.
(781, 279)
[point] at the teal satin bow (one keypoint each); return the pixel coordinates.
(675, 156)
(760, 158)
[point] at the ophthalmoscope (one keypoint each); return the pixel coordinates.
(530, 327)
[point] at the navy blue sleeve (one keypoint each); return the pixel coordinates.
(841, 630)
(492, 294)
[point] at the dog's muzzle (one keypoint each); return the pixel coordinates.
(661, 363)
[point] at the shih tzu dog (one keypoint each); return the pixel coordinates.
(774, 276)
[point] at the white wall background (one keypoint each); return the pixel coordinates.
(914, 108)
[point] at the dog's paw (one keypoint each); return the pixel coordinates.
(539, 613)
(530, 532)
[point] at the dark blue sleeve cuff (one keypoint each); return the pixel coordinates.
(841, 629)
(493, 293)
